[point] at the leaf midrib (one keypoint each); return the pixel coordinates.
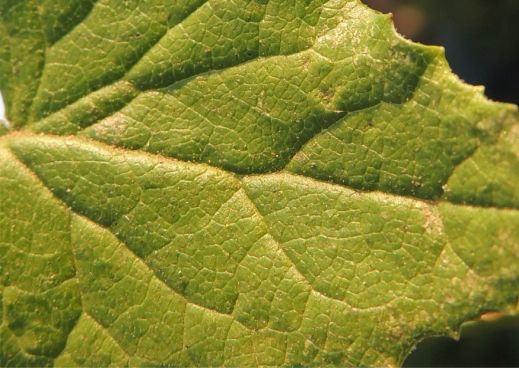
(149, 268)
(393, 197)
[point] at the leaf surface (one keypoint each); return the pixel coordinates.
(243, 183)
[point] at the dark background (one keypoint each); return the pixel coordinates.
(481, 37)
(482, 344)
(481, 40)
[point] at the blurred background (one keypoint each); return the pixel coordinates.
(493, 343)
(481, 40)
(481, 37)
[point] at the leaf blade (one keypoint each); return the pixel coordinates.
(326, 219)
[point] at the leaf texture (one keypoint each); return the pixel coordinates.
(243, 183)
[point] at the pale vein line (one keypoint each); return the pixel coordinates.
(294, 265)
(130, 67)
(148, 267)
(171, 86)
(108, 333)
(154, 274)
(157, 156)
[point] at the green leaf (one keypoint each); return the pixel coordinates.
(243, 183)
